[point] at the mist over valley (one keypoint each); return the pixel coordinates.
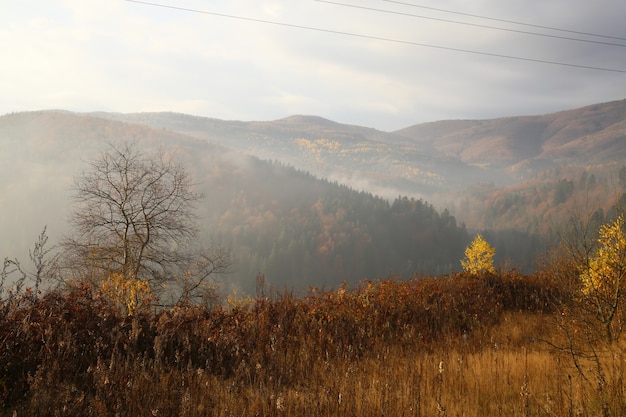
(312, 202)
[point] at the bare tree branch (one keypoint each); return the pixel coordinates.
(134, 215)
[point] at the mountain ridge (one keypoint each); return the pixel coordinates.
(423, 159)
(46, 149)
(278, 220)
(524, 140)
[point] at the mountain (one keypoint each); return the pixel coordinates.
(310, 201)
(423, 160)
(364, 158)
(590, 135)
(296, 229)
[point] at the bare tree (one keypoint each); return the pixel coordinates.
(44, 261)
(134, 216)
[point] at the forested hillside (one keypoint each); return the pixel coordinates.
(366, 159)
(308, 201)
(543, 204)
(426, 159)
(296, 229)
(526, 145)
(303, 231)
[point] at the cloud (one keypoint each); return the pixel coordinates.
(319, 58)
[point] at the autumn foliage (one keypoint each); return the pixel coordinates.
(480, 342)
(478, 256)
(77, 351)
(603, 279)
(606, 269)
(475, 343)
(128, 293)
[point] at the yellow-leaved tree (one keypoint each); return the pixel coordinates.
(478, 256)
(127, 292)
(603, 278)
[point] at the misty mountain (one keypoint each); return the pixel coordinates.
(309, 201)
(502, 174)
(283, 222)
(41, 153)
(364, 158)
(426, 159)
(527, 145)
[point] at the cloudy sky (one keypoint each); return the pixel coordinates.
(376, 63)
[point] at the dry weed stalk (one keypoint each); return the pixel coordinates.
(451, 346)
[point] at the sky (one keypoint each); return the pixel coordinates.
(375, 63)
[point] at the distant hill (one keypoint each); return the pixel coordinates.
(590, 135)
(364, 158)
(312, 202)
(425, 159)
(297, 229)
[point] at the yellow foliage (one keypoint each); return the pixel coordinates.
(317, 146)
(607, 266)
(478, 256)
(128, 292)
(234, 301)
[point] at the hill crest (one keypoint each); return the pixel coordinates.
(589, 135)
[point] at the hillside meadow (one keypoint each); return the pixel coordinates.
(455, 345)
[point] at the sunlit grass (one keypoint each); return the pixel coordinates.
(450, 346)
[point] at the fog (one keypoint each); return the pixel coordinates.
(35, 193)
(286, 221)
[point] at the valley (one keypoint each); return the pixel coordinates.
(308, 201)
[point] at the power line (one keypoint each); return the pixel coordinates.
(377, 38)
(472, 24)
(508, 21)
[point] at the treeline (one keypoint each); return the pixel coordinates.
(541, 205)
(300, 231)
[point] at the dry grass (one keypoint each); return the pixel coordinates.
(450, 346)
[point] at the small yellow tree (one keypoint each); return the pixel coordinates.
(478, 256)
(128, 293)
(603, 278)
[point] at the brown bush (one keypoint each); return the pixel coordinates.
(339, 352)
